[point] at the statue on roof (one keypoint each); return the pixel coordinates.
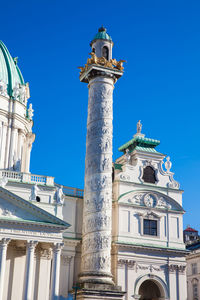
(139, 126)
(127, 156)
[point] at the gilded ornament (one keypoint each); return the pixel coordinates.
(102, 61)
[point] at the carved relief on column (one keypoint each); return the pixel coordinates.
(96, 242)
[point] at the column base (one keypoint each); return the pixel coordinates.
(96, 278)
(95, 291)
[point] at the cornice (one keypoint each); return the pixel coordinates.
(146, 186)
(180, 252)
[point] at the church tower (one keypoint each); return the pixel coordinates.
(16, 123)
(101, 73)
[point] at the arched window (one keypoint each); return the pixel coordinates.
(149, 175)
(105, 52)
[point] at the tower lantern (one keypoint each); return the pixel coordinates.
(102, 44)
(101, 73)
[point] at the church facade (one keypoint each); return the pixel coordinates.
(121, 238)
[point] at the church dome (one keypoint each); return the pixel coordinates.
(102, 35)
(10, 74)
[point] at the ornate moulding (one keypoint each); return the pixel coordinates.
(163, 178)
(148, 199)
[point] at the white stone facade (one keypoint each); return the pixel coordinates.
(16, 135)
(126, 232)
(138, 256)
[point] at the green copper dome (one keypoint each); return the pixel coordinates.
(102, 35)
(9, 72)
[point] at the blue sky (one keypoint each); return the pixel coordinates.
(161, 84)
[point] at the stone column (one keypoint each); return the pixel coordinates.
(29, 147)
(55, 278)
(12, 147)
(3, 250)
(8, 143)
(30, 248)
(3, 145)
(96, 238)
(19, 146)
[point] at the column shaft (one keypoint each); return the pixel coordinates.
(3, 250)
(12, 147)
(55, 278)
(7, 144)
(29, 270)
(28, 155)
(96, 248)
(3, 146)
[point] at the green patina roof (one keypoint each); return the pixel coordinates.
(102, 35)
(140, 143)
(9, 71)
(118, 166)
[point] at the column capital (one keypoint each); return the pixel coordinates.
(66, 258)
(4, 242)
(31, 244)
(57, 247)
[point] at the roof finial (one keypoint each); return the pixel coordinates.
(102, 28)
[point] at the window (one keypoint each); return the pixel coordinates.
(37, 198)
(105, 52)
(150, 227)
(195, 290)
(149, 175)
(194, 268)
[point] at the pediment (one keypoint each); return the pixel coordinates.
(15, 208)
(150, 199)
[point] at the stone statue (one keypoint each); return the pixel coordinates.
(3, 182)
(127, 156)
(168, 164)
(30, 111)
(16, 91)
(59, 195)
(139, 126)
(34, 192)
(3, 88)
(22, 93)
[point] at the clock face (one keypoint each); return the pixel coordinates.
(150, 200)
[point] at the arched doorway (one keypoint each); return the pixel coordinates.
(149, 290)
